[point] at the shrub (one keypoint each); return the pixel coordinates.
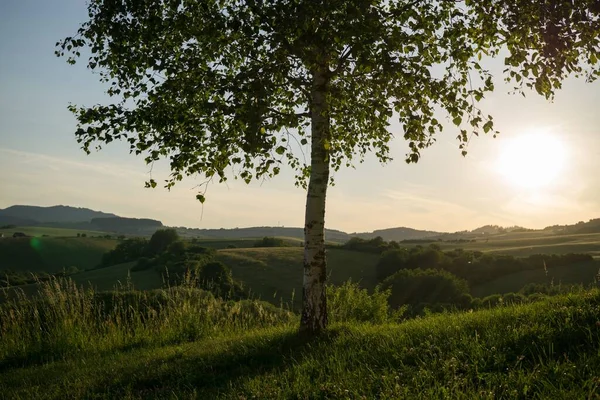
(514, 298)
(126, 251)
(425, 286)
(270, 242)
(143, 264)
(492, 301)
(350, 303)
(160, 241)
(215, 272)
(390, 262)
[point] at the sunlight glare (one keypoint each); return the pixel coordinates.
(533, 160)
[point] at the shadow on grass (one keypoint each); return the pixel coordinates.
(209, 374)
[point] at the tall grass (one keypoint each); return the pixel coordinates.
(65, 319)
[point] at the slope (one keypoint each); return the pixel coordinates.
(549, 349)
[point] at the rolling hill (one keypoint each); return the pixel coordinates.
(56, 214)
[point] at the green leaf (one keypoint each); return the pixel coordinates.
(457, 121)
(200, 198)
(488, 126)
(280, 150)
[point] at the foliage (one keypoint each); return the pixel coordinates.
(215, 272)
(161, 240)
(143, 264)
(218, 86)
(255, 67)
(376, 245)
(349, 303)
(429, 286)
(270, 242)
(474, 266)
(127, 250)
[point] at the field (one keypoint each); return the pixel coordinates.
(546, 349)
(570, 274)
(39, 231)
(52, 254)
(521, 244)
(275, 274)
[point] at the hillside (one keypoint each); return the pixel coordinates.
(547, 349)
(275, 274)
(397, 234)
(52, 214)
(52, 254)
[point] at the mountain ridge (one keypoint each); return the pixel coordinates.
(85, 218)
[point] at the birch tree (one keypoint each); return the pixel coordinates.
(234, 88)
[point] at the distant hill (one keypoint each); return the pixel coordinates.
(398, 234)
(126, 225)
(259, 231)
(76, 218)
(591, 226)
(35, 214)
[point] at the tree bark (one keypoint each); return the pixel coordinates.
(314, 302)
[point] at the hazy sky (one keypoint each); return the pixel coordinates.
(497, 183)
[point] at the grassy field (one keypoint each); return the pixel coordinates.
(52, 254)
(275, 273)
(565, 275)
(548, 349)
(39, 231)
(523, 244)
(241, 243)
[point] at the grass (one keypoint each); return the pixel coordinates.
(275, 273)
(523, 244)
(52, 254)
(39, 231)
(570, 274)
(547, 349)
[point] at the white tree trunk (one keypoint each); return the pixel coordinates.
(314, 304)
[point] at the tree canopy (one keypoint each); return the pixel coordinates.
(238, 88)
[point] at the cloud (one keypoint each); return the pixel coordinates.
(12, 157)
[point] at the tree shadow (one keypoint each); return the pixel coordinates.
(213, 373)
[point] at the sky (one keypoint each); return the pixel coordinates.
(541, 170)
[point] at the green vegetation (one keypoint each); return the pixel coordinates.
(275, 274)
(427, 287)
(185, 343)
(52, 254)
(41, 231)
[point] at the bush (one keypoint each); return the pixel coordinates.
(143, 264)
(514, 298)
(126, 251)
(161, 240)
(270, 242)
(492, 301)
(350, 303)
(429, 286)
(390, 262)
(215, 272)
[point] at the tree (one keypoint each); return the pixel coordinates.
(161, 240)
(237, 88)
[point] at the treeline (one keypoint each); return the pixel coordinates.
(427, 278)
(177, 261)
(378, 245)
(473, 266)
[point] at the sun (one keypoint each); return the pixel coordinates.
(533, 160)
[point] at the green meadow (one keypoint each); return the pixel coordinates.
(185, 344)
